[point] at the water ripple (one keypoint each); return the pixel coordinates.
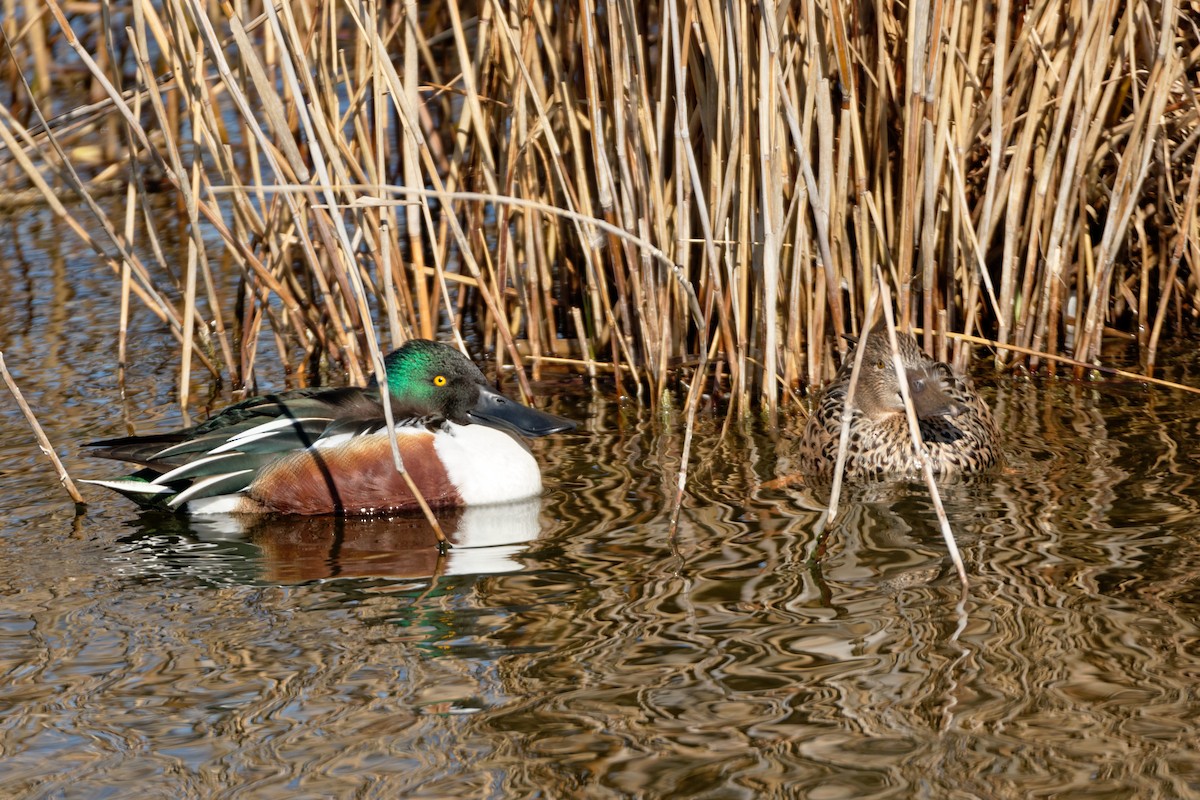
(583, 647)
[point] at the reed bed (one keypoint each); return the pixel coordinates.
(659, 192)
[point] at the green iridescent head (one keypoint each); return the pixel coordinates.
(429, 379)
(433, 378)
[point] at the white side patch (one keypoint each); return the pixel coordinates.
(221, 504)
(487, 465)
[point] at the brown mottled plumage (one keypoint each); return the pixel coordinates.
(956, 425)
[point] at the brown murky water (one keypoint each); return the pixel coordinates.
(574, 647)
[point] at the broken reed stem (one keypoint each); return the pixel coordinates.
(695, 391)
(860, 350)
(914, 432)
(43, 441)
(1081, 365)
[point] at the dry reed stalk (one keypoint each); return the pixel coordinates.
(1075, 363)
(144, 288)
(1181, 241)
(43, 441)
(1016, 170)
(860, 351)
(914, 432)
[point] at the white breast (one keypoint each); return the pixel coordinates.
(487, 465)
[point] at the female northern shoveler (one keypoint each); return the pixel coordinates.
(956, 426)
(327, 451)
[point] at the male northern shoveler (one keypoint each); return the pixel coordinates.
(327, 451)
(956, 426)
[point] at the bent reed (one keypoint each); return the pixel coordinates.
(645, 189)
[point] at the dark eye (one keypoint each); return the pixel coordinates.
(439, 380)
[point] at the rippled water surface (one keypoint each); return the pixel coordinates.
(576, 646)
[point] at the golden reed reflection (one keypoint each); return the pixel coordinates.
(723, 653)
(729, 657)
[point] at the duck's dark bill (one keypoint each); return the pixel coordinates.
(929, 395)
(498, 411)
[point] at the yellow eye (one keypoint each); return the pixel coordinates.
(440, 380)
(879, 364)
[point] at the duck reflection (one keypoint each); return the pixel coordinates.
(484, 540)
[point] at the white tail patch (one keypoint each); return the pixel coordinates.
(132, 487)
